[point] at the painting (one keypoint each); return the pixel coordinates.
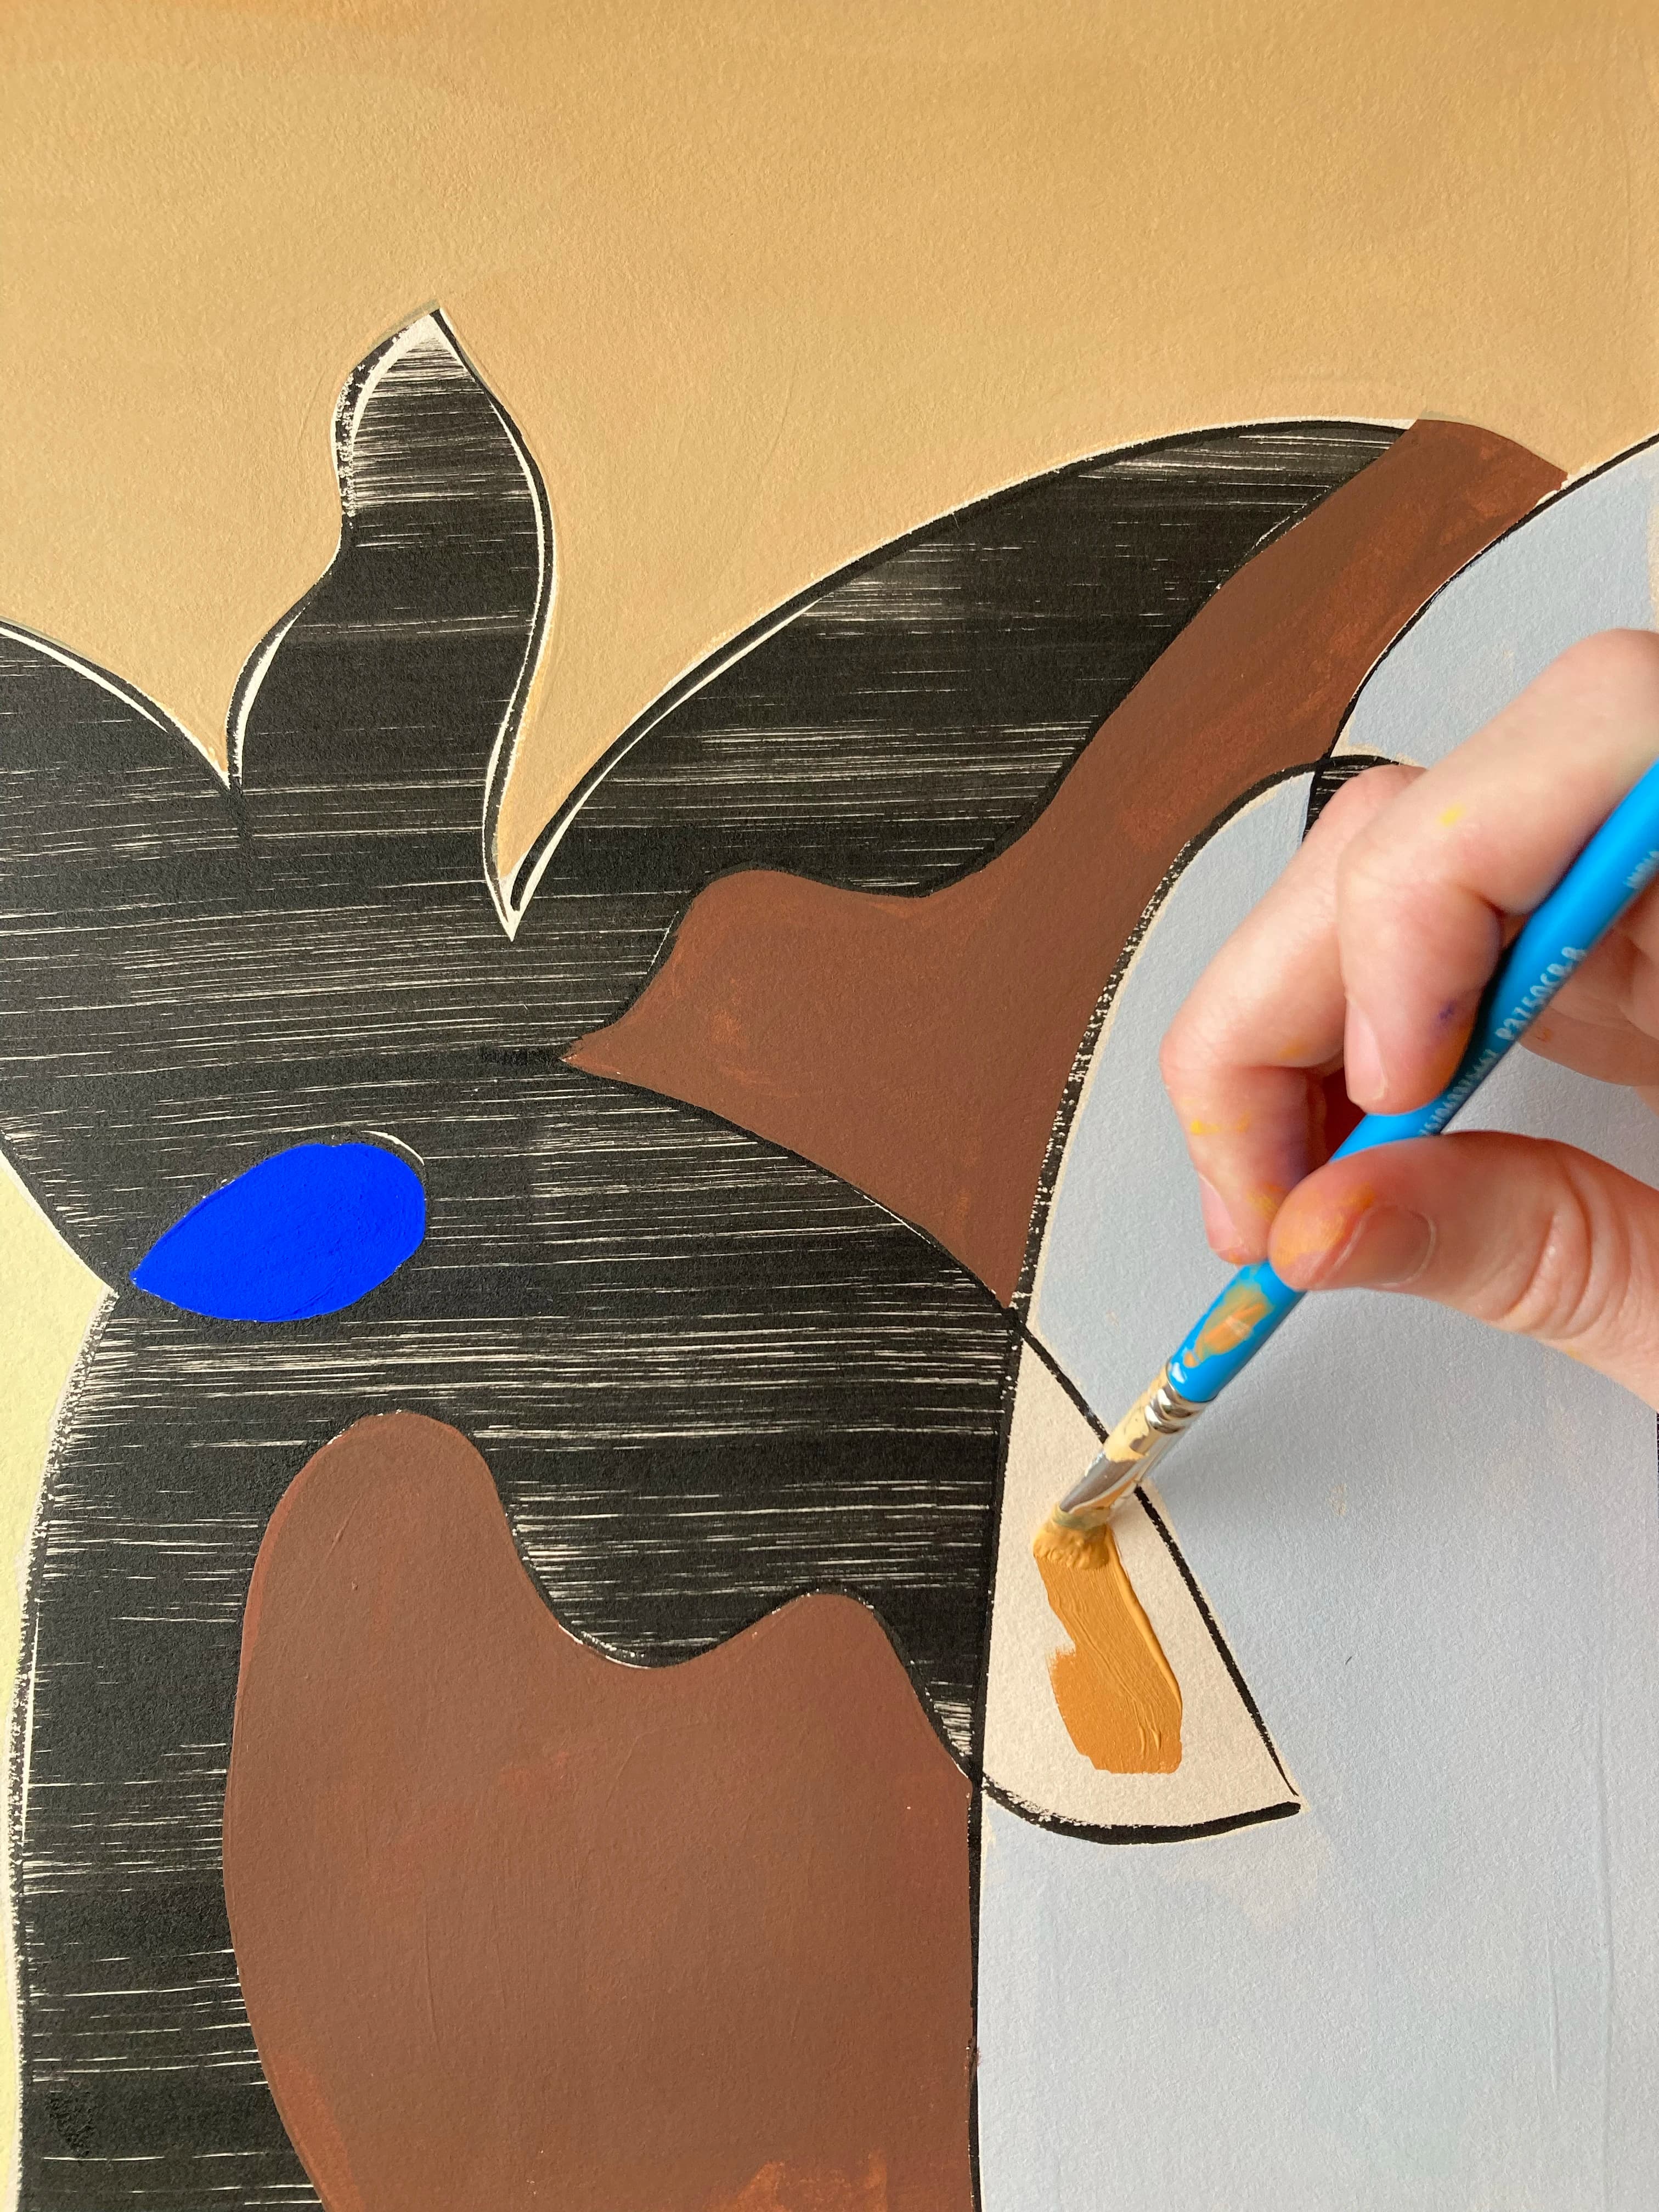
(614, 1168)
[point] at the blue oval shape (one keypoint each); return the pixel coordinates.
(306, 1231)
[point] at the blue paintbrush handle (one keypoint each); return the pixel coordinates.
(1614, 868)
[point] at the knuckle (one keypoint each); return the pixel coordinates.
(1619, 667)
(1178, 1061)
(1354, 805)
(1369, 870)
(1570, 1278)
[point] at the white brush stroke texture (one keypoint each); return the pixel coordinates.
(1434, 1550)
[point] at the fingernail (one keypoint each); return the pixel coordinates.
(1379, 1247)
(1217, 1221)
(1362, 1059)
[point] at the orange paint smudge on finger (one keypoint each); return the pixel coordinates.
(1237, 1313)
(1328, 1230)
(1266, 1199)
(1116, 1690)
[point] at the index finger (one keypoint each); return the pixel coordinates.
(1425, 890)
(1242, 1059)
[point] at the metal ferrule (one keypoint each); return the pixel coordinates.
(1166, 1413)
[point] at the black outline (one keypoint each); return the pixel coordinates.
(1325, 782)
(1332, 774)
(1118, 1832)
(514, 901)
(20, 1726)
(1225, 1826)
(158, 719)
(1059, 1132)
(1550, 499)
(1208, 1618)
(118, 688)
(504, 749)
(1059, 1376)
(529, 871)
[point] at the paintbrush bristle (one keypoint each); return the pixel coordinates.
(1140, 1439)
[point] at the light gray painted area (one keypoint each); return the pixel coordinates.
(1434, 1553)
(1582, 563)
(1123, 1198)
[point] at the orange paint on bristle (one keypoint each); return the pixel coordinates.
(1116, 1690)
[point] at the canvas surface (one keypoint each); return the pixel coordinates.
(857, 549)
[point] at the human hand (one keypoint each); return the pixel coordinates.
(1370, 955)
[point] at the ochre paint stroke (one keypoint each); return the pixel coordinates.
(518, 1926)
(1116, 1692)
(919, 1047)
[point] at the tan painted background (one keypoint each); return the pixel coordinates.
(763, 282)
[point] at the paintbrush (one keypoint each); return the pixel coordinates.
(1613, 870)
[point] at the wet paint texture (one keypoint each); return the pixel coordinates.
(1236, 1313)
(310, 1231)
(920, 1048)
(1116, 1692)
(517, 1925)
(1360, 2006)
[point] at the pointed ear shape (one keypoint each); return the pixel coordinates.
(372, 728)
(195, 974)
(898, 721)
(113, 825)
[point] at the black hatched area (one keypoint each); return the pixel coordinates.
(706, 1375)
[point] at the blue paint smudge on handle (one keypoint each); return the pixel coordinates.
(306, 1231)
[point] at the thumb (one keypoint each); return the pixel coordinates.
(1536, 1237)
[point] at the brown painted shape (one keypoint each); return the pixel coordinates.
(518, 1926)
(919, 1047)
